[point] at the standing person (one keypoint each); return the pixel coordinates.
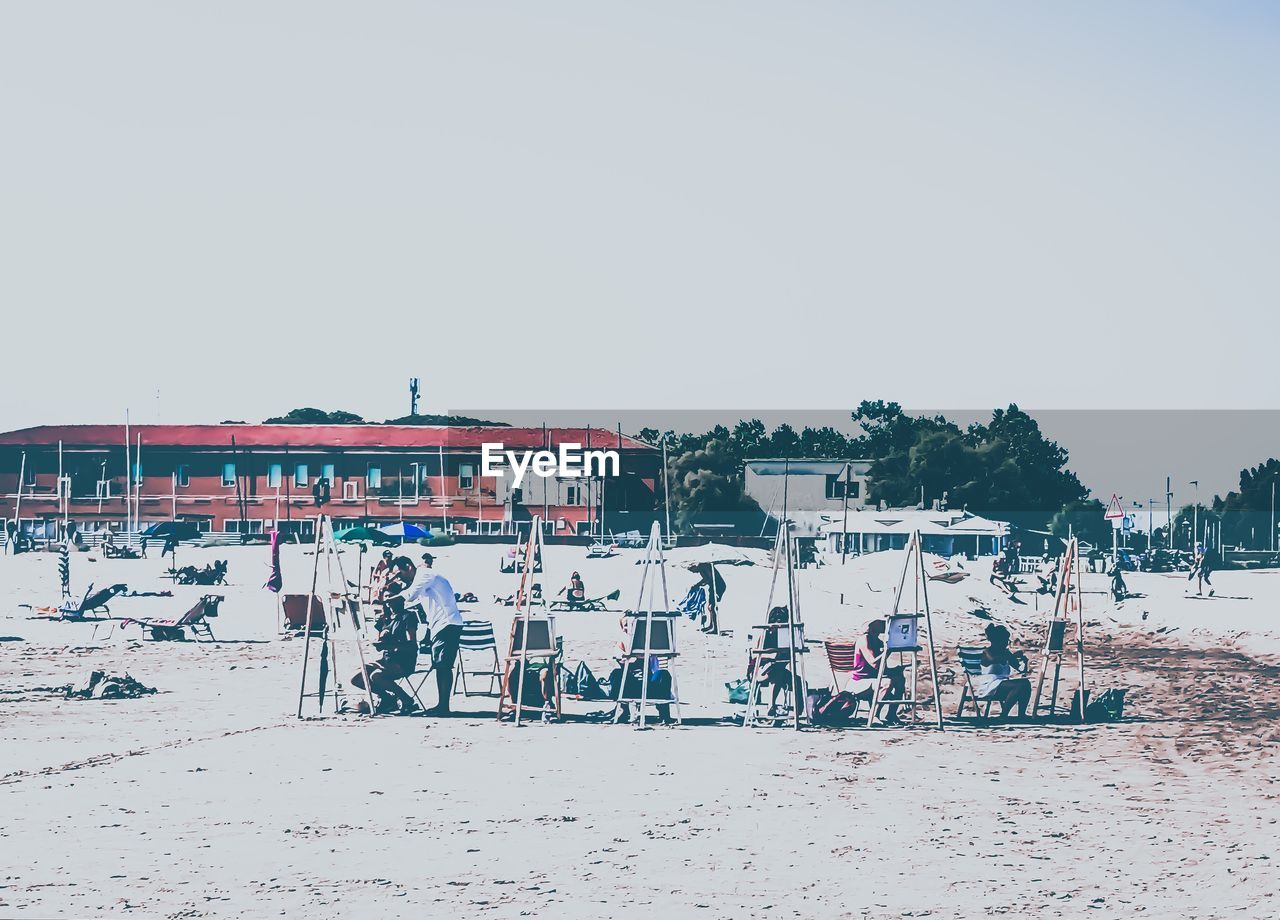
(1204, 566)
(713, 584)
(434, 595)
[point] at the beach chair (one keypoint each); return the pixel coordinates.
(195, 619)
(295, 612)
(478, 639)
(971, 663)
(841, 654)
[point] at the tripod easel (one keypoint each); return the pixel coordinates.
(787, 636)
(902, 638)
(341, 611)
(1069, 594)
(531, 637)
(659, 633)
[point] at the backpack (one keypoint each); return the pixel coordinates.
(1107, 706)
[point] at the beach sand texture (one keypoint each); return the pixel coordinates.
(210, 799)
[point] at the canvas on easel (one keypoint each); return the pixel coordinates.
(905, 640)
(1068, 596)
(339, 621)
(651, 635)
(779, 642)
(540, 631)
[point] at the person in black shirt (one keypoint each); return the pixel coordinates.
(398, 642)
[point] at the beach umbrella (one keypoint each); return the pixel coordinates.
(365, 534)
(690, 557)
(406, 531)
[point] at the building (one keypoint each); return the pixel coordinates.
(234, 478)
(815, 489)
(947, 533)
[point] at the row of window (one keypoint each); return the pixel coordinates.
(301, 475)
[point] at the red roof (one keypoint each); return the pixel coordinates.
(301, 437)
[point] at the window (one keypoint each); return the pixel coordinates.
(326, 471)
(300, 475)
(573, 495)
(350, 489)
(836, 486)
(375, 477)
(228, 474)
(466, 476)
(274, 474)
(184, 475)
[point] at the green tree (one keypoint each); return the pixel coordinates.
(315, 417)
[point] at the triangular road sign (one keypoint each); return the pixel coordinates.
(1114, 510)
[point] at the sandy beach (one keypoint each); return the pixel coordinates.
(211, 799)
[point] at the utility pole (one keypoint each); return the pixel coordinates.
(1168, 507)
(844, 521)
(1273, 514)
(1195, 517)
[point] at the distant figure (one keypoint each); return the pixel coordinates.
(320, 491)
(660, 683)
(996, 682)
(1205, 564)
(714, 587)
(577, 592)
(868, 655)
(1119, 590)
(1000, 576)
(772, 662)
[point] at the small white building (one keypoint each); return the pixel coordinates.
(946, 533)
(813, 489)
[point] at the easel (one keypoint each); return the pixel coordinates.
(902, 638)
(531, 637)
(659, 628)
(790, 638)
(342, 621)
(1056, 632)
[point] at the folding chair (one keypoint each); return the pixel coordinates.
(295, 612)
(195, 619)
(971, 662)
(841, 655)
(477, 637)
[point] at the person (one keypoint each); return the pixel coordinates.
(577, 591)
(1000, 576)
(1047, 576)
(772, 661)
(1119, 590)
(1201, 569)
(868, 654)
(713, 586)
(996, 680)
(383, 568)
(434, 595)
(398, 643)
(661, 686)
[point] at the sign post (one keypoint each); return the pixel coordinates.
(1115, 514)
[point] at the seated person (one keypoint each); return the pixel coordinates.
(398, 643)
(996, 682)
(867, 655)
(539, 684)
(661, 687)
(577, 591)
(772, 663)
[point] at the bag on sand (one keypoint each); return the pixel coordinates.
(739, 690)
(1107, 706)
(582, 683)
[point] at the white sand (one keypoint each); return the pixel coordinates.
(211, 799)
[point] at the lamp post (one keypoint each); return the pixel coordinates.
(1195, 518)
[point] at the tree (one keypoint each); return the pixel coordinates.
(315, 417)
(706, 479)
(444, 420)
(1085, 520)
(1246, 513)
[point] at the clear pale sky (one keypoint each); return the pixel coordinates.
(227, 210)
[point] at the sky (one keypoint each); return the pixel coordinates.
(228, 210)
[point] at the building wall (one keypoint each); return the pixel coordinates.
(807, 485)
(367, 485)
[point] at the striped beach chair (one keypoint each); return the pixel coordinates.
(478, 639)
(971, 661)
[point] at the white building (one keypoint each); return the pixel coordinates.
(946, 533)
(814, 489)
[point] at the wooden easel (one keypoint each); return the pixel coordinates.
(1069, 594)
(790, 638)
(659, 628)
(341, 622)
(519, 648)
(902, 638)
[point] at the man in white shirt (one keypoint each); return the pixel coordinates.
(434, 596)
